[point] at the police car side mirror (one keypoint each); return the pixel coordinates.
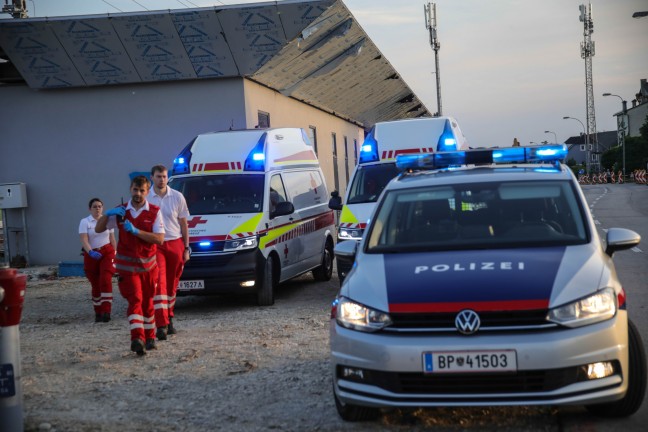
(335, 203)
(620, 239)
(346, 249)
(283, 208)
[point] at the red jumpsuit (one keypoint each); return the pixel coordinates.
(99, 273)
(171, 264)
(138, 273)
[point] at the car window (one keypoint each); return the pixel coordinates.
(369, 182)
(489, 215)
(221, 194)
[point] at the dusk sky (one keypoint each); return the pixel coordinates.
(509, 68)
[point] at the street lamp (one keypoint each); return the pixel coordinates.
(621, 125)
(587, 150)
(554, 134)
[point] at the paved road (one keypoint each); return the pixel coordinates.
(624, 206)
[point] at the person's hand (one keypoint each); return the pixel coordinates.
(117, 211)
(128, 226)
(94, 254)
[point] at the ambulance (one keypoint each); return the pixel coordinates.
(377, 166)
(259, 214)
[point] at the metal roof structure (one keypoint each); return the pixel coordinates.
(314, 51)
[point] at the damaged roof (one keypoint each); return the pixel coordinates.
(314, 51)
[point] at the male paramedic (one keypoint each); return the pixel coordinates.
(140, 228)
(173, 253)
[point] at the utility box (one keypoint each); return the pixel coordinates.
(13, 195)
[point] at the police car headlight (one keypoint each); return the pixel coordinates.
(240, 244)
(596, 308)
(359, 317)
(350, 233)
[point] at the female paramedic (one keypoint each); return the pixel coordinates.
(98, 260)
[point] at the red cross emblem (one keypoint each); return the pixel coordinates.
(195, 221)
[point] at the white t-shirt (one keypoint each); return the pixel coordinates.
(96, 240)
(173, 206)
(158, 225)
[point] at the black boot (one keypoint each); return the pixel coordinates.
(106, 317)
(98, 317)
(161, 333)
(170, 329)
(150, 344)
(137, 346)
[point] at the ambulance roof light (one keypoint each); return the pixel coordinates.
(369, 149)
(553, 153)
(447, 141)
(255, 160)
(181, 163)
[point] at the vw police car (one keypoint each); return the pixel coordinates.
(481, 280)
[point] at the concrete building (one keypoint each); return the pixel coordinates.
(89, 100)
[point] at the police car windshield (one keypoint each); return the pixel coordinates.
(221, 194)
(478, 216)
(369, 182)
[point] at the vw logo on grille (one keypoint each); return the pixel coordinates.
(467, 322)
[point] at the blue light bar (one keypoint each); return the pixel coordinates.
(181, 163)
(255, 160)
(509, 155)
(205, 244)
(369, 149)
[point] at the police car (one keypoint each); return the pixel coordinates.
(480, 281)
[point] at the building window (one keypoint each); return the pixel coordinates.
(312, 136)
(336, 177)
(264, 120)
(355, 152)
(582, 147)
(346, 159)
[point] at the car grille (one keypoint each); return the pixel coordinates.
(533, 381)
(501, 320)
(202, 261)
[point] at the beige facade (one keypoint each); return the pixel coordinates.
(287, 112)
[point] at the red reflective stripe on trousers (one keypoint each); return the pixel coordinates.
(138, 290)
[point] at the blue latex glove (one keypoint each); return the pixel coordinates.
(117, 211)
(128, 226)
(95, 255)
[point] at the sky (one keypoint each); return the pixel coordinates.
(508, 68)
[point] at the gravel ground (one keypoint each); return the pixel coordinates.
(232, 366)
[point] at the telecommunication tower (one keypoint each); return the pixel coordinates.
(431, 24)
(587, 52)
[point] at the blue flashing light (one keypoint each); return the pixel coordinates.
(369, 149)
(447, 141)
(255, 160)
(204, 244)
(510, 155)
(181, 163)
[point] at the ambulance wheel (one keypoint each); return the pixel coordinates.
(265, 295)
(325, 271)
(636, 378)
(354, 413)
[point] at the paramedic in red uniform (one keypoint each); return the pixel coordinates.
(173, 253)
(98, 260)
(140, 230)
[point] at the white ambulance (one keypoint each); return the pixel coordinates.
(377, 166)
(258, 208)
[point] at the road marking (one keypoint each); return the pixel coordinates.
(636, 249)
(597, 222)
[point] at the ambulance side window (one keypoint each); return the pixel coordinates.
(277, 191)
(306, 188)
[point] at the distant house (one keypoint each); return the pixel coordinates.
(578, 149)
(634, 117)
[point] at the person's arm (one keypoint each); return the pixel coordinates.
(85, 243)
(102, 224)
(149, 237)
(184, 229)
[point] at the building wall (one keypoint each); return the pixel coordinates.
(70, 145)
(636, 119)
(287, 112)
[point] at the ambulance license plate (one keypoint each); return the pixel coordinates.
(469, 361)
(186, 285)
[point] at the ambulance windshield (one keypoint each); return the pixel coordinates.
(369, 181)
(221, 194)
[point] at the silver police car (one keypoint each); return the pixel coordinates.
(481, 280)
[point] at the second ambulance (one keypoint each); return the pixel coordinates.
(377, 166)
